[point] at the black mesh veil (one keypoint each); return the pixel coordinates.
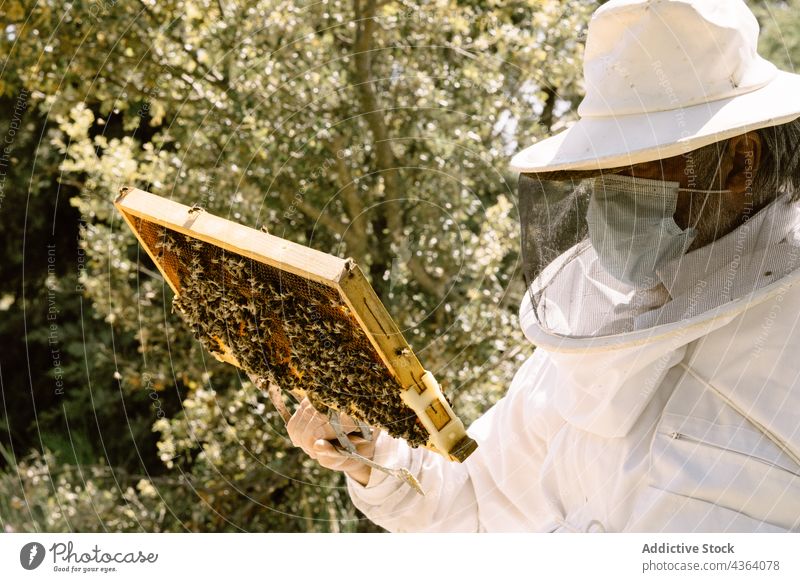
(552, 219)
(577, 296)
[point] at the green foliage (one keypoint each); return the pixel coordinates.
(780, 36)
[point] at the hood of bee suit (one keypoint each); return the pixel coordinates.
(612, 346)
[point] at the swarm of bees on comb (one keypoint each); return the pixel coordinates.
(294, 332)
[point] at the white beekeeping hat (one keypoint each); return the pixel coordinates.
(664, 77)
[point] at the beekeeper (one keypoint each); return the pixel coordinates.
(664, 393)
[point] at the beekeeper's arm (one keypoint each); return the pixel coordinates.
(462, 496)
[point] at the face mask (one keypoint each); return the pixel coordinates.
(632, 229)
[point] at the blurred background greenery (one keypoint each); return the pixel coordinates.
(377, 130)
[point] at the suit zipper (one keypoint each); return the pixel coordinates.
(674, 435)
(763, 429)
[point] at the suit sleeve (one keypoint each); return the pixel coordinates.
(494, 489)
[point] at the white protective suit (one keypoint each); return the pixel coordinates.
(690, 425)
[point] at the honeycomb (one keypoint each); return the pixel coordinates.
(292, 331)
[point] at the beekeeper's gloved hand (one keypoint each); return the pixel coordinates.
(311, 431)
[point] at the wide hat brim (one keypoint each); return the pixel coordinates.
(594, 143)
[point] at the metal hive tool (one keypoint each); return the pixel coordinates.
(295, 318)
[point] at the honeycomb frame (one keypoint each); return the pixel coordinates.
(417, 387)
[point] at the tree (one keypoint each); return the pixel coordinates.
(779, 41)
(378, 130)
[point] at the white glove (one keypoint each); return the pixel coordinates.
(311, 431)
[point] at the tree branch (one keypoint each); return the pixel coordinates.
(431, 285)
(549, 106)
(384, 153)
(319, 217)
(368, 98)
(357, 232)
(209, 75)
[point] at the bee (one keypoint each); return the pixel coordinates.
(259, 313)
